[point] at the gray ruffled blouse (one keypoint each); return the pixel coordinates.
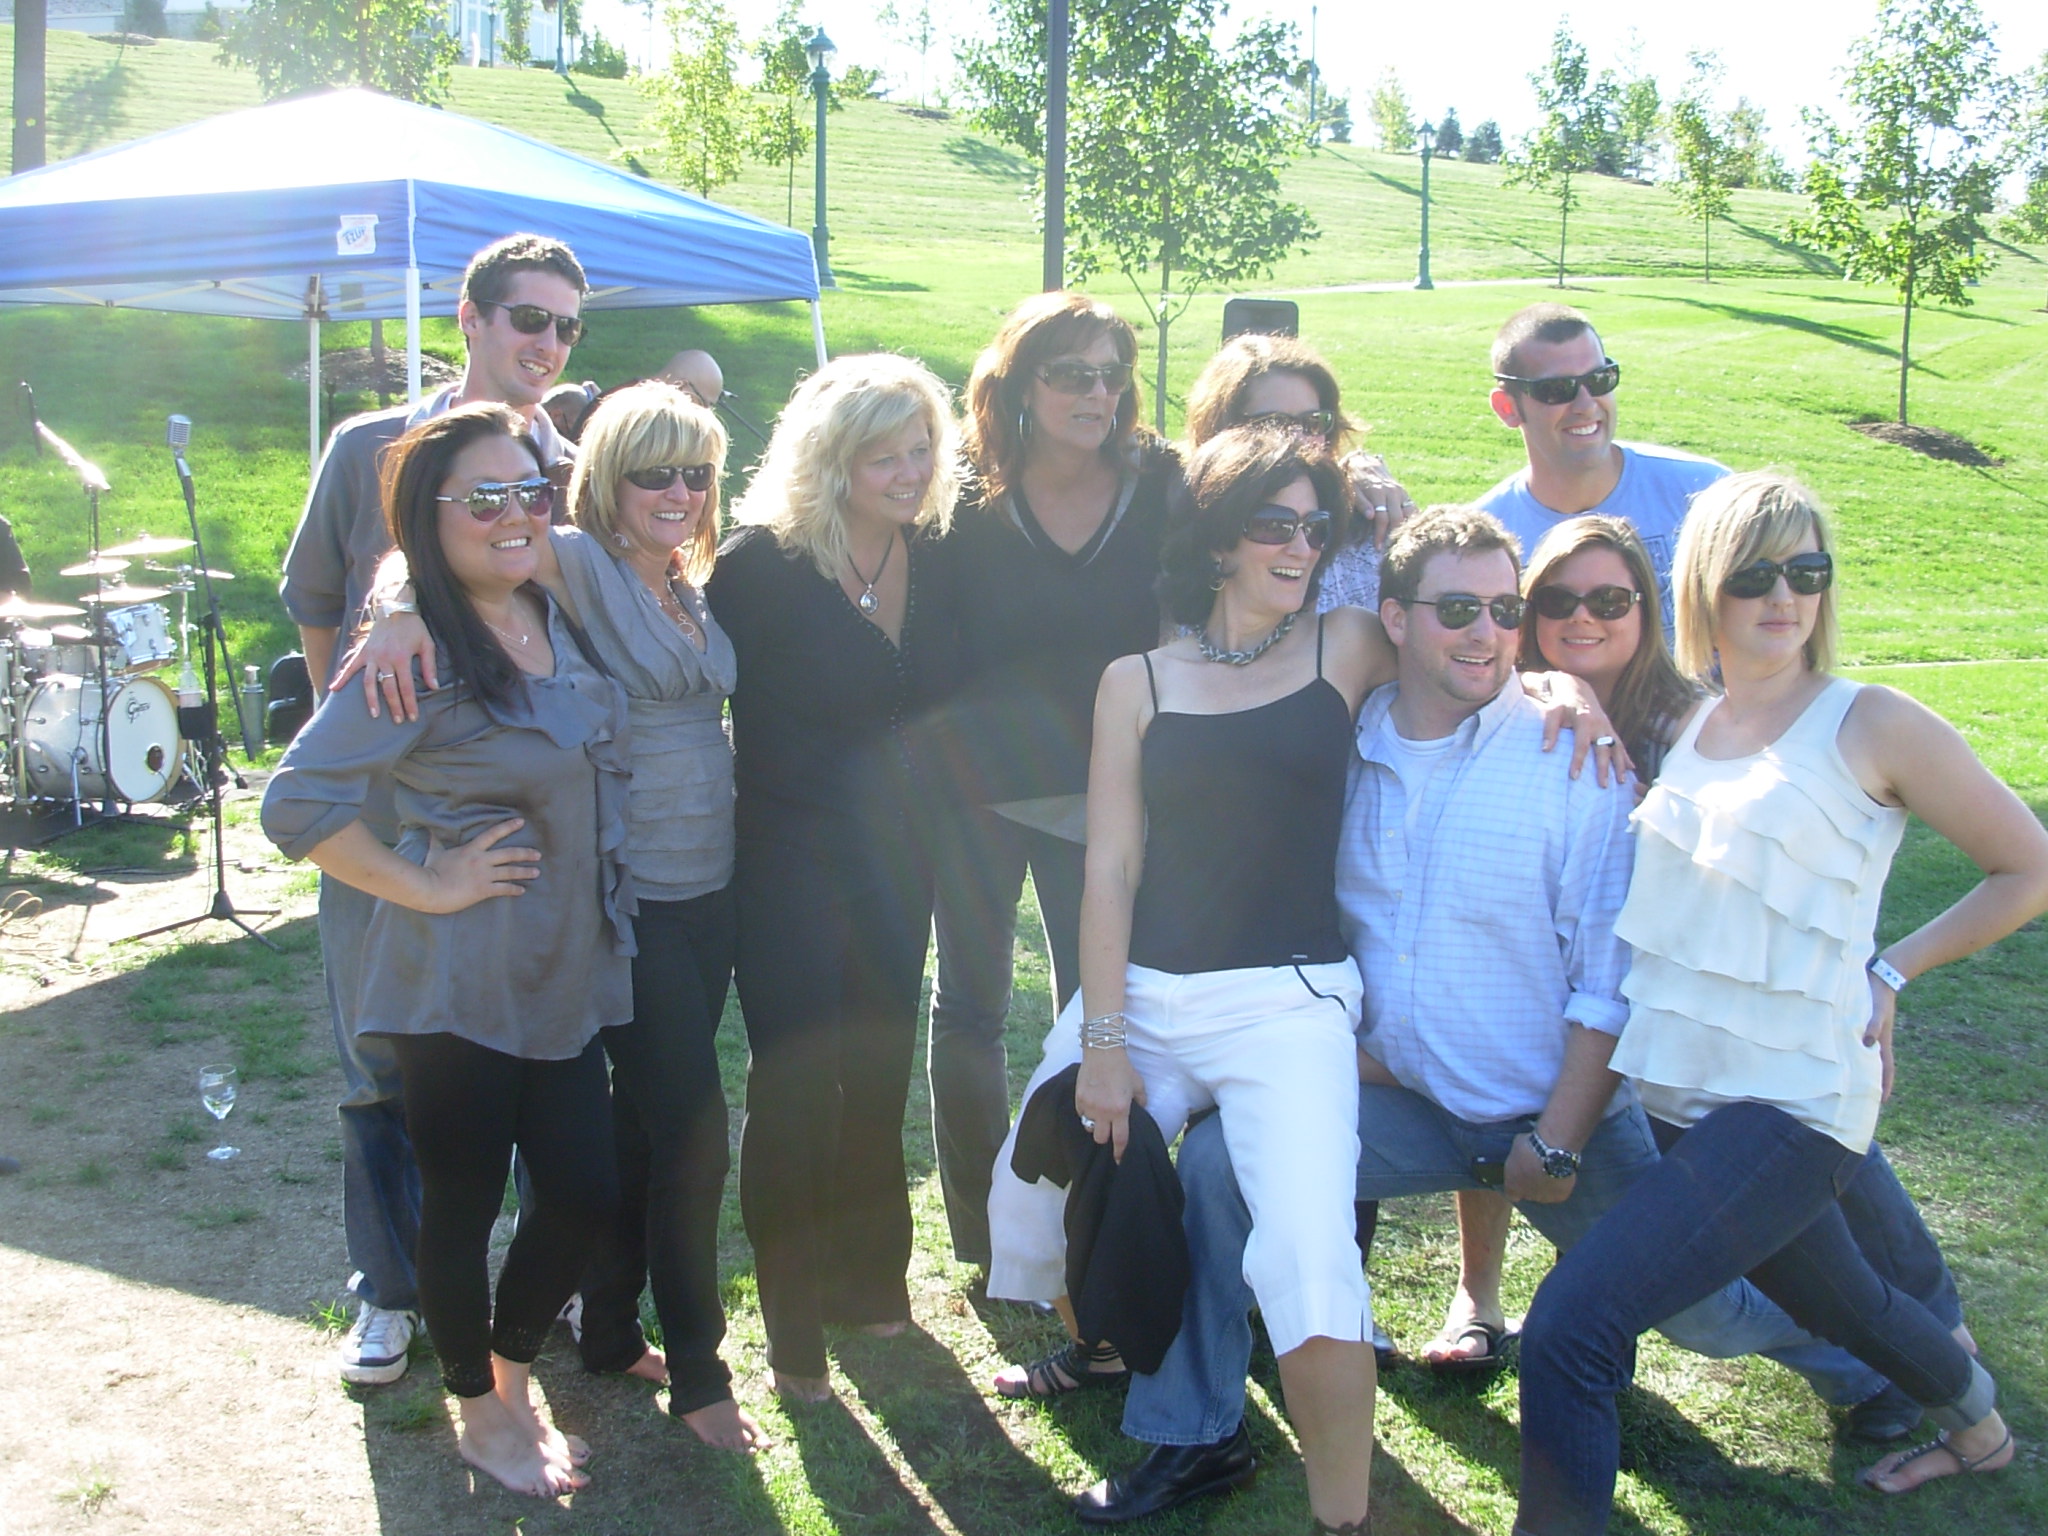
(536, 975)
(679, 832)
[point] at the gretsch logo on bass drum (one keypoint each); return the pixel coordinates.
(136, 707)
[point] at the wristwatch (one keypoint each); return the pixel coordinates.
(1557, 1162)
(1887, 973)
(385, 607)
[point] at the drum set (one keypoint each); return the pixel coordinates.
(86, 711)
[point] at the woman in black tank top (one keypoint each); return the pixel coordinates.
(1209, 937)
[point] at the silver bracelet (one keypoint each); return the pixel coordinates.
(1104, 1032)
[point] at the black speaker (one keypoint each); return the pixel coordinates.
(291, 698)
(1268, 317)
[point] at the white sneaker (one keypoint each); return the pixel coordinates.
(572, 1314)
(374, 1352)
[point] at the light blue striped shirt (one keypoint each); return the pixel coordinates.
(1491, 928)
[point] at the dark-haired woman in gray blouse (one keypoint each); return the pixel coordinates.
(645, 503)
(499, 945)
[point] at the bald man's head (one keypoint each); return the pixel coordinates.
(698, 372)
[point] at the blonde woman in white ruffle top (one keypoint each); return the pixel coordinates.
(1761, 1013)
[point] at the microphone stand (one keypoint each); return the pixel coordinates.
(724, 403)
(213, 747)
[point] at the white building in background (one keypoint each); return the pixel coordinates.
(479, 27)
(182, 18)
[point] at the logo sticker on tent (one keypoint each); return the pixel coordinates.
(357, 235)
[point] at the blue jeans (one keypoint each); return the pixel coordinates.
(380, 1183)
(1747, 1191)
(1410, 1146)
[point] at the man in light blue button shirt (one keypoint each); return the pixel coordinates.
(1478, 884)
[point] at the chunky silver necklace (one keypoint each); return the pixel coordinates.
(867, 602)
(1244, 658)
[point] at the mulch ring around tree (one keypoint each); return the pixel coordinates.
(1932, 441)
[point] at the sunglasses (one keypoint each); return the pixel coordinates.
(1806, 574)
(1460, 610)
(488, 499)
(695, 477)
(531, 320)
(1071, 378)
(1610, 603)
(1278, 526)
(1564, 388)
(1308, 423)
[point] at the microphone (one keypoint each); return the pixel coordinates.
(28, 397)
(178, 433)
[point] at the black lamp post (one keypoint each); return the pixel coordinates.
(819, 50)
(1427, 134)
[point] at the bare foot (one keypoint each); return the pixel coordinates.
(651, 1366)
(1983, 1447)
(889, 1330)
(728, 1426)
(563, 1450)
(493, 1440)
(804, 1389)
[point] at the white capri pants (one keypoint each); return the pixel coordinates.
(1272, 1046)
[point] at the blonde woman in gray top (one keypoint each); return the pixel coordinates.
(645, 504)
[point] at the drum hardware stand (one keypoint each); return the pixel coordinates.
(94, 482)
(213, 747)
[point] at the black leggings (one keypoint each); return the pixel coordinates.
(466, 1108)
(829, 962)
(669, 1120)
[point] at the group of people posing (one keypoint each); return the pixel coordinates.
(1322, 880)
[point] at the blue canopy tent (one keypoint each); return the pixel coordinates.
(350, 205)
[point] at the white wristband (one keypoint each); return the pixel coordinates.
(1887, 973)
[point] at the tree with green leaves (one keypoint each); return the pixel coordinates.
(1483, 144)
(394, 46)
(1175, 148)
(1450, 138)
(518, 16)
(1578, 110)
(914, 26)
(1899, 196)
(1638, 119)
(2028, 219)
(1392, 117)
(1752, 161)
(699, 111)
(780, 134)
(1701, 162)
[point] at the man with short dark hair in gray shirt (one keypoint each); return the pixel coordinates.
(521, 298)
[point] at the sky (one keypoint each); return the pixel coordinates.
(1474, 55)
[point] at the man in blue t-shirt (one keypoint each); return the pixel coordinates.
(1554, 382)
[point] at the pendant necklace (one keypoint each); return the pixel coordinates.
(515, 639)
(867, 602)
(1244, 658)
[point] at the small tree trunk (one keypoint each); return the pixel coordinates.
(1709, 227)
(789, 213)
(1564, 215)
(1905, 353)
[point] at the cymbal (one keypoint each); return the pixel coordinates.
(148, 545)
(104, 565)
(17, 606)
(69, 634)
(117, 596)
(185, 570)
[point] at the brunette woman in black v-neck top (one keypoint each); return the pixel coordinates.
(1054, 557)
(842, 635)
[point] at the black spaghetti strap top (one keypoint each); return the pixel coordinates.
(1242, 814)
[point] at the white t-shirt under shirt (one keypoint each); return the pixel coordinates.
(1656, 488)
(1413, 763)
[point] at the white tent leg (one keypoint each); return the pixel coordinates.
(818, 329)
(312, 395)
(412, 336)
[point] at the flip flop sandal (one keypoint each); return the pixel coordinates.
(1069, 1369)
(1965, 1464)
(1495, 1339)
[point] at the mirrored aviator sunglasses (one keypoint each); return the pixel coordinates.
(1072, 378)
(488, 499)
(1604, 603)
(1808, 575)
(695, 477)
(1278, 525)
(1460, 610)
(1563, 388)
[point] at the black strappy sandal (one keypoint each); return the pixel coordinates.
(1070, 1368)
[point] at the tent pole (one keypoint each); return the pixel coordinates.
(412, 336)
(818, 329)
(312, 393)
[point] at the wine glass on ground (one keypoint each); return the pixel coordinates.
(217, 1093)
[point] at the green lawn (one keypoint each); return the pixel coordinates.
(933, 241)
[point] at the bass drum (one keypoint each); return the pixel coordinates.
(60, 727)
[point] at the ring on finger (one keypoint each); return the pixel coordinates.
(385, 677)
(1603, 741)
(1087, 1124)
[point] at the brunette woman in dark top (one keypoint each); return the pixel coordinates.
(843, 640)
(1054, 557)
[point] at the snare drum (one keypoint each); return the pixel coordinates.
(60, 727)
(65, 649)
(138, 637)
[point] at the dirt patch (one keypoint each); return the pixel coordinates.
(1932, 441)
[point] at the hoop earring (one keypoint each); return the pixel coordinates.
(1218, 577)
(1023, 425)
(621, 540)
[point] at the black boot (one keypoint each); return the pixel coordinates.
(1169, 1476)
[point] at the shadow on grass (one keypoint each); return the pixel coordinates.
(1806, 256)
(936, 1415)
(1838, 334)
(90, 105)
(850, 1475)
(867, 282)
(986, 159)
